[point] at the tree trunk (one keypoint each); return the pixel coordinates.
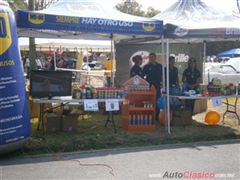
(32, 47)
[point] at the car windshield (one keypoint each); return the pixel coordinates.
(227, 69)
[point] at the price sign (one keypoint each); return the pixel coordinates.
(112, 105)
(91, 105)
(217, 101)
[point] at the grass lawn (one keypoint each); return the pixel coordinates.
(91, 134)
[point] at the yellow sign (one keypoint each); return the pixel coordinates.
(5, 33)
(67, 19)
(35, 18)
(148, 26)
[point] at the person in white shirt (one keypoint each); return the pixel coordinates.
(27, 66)
(38, 63)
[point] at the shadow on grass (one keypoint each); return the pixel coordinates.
(91, 134)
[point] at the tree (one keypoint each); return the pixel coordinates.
(17, 4)
(35, 5)
(31, 5)
(134, 8)
(40, 4)
(32, 46)
(151, 12)
(24, 4)
(130, 7)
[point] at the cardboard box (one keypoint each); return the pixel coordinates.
(52, 122)
(34, 108)
(161, 118)
(200, 105)
(204, 89)
(69, 122)
(182, 117)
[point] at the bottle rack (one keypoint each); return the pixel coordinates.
(140, 119)
(139, 110)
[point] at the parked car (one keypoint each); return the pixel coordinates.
(227, 73)
(235, 62)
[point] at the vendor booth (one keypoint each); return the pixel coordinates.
(84, 20)
(188, 26)
(191, 24)
(193, 21)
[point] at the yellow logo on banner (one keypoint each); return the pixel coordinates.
(5, 33)
(148, 26)
(35, 18)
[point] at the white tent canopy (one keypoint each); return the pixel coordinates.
(84, 19)
(43, 44)
(195, 21)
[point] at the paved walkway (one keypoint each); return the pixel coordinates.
(220, 159)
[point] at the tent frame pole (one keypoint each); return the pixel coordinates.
(164, 82)
(168, 104)
(204, 61)
(163, 63)
(113, 61)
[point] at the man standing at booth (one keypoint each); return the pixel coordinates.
(173, 74)
(153, 73)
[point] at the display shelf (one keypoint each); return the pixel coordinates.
(139, 109)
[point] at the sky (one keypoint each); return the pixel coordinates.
(225, 5)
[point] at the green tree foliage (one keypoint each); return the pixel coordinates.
(134, 8)
(41, 4)
(24, 4)
(130, 7)
(17, 4)
(151, 12)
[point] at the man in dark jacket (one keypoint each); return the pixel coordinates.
(153, 72)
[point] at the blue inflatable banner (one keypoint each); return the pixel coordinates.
(14, 115)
